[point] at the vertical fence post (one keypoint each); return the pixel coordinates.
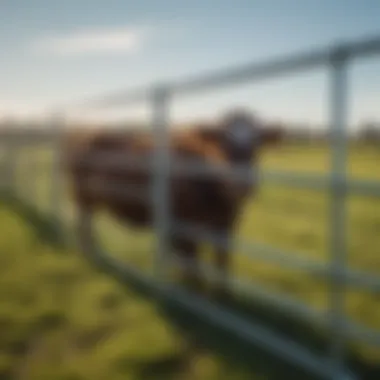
(338, 251)
(161, 175)
(56, 191)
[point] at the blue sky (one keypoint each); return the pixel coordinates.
(57, 52)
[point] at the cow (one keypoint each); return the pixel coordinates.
(212, 202)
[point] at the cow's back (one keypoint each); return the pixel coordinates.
(125, 189)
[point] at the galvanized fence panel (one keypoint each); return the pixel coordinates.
(336, 59)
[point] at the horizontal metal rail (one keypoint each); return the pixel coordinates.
(256, 334)
(183, 167)
(286, 259)
(251, 249)
(278, 66)
(247, 330)
(286, 303)
(242, 73)
(285, 177)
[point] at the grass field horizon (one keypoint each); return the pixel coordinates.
(287, 218)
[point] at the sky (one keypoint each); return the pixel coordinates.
(56, 54)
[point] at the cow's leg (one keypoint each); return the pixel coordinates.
(187, 252)
(222, 266)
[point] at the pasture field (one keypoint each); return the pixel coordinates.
(37, 285)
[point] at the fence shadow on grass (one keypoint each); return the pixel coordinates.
(200, 333)
(43, 225)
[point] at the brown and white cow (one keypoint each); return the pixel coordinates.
(212, 202)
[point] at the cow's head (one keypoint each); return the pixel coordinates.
(241, 135)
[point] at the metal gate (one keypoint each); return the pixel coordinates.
(337, 60)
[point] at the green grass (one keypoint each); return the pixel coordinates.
(61, 320)
(64, 290)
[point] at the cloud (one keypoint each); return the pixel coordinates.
(102, 41)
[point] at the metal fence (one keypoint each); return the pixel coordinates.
(336, 59)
